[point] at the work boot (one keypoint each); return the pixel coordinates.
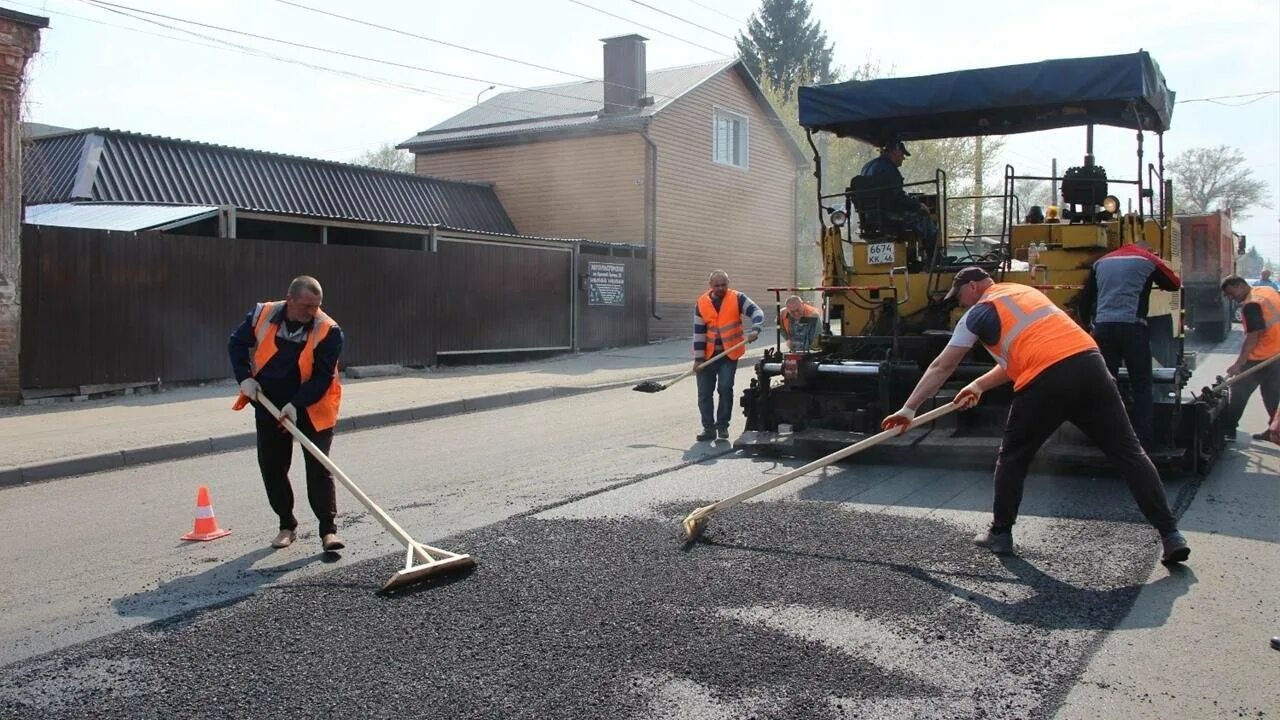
(1275, 643)
(331, 542)
(1175, 548)
(722, 433)
(284, 539)
(1000, 543)
(706, 434)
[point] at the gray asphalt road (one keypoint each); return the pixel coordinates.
(854, 593)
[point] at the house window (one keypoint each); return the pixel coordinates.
(729, 138)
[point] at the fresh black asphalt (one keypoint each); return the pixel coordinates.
(788, 609)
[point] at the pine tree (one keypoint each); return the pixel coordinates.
(781, 46)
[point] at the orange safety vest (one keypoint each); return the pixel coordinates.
(806, 311)
(725, 324)
(1034, 333)
(1268, 301)
(324, 413)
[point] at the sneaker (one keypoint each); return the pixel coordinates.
(1175, 548)
(331, 542)
(706, 434)
(722, 433)
(284, 539)
(1000, 543)
(1262, 436)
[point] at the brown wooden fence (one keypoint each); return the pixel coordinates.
(102, 307)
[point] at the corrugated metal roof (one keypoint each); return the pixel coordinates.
(112, 216)
(49, 167)
(556, 107)
(148, 169)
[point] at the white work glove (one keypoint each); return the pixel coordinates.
(291, 412)
(900, 420)
(752, 337)
(968, 396)
(250, 388)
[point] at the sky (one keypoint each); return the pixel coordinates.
(358, 87)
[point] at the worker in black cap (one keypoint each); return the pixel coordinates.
(1058, 375)
(891, 202)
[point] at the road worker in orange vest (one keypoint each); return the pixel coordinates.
(1058, 375)
(288, 350)
(717, 326)
(800, 334)
(1260, 312)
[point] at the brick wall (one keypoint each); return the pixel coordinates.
(19, 40)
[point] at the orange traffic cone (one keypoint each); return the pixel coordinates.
(206, 527)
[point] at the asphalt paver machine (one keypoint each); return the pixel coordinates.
(884, 317)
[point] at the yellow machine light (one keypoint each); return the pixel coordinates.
(1111, 204)
(1052, 214)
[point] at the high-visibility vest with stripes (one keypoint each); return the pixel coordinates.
(324, 413)
(1034, 333)
(725, 324)
(1268, 301)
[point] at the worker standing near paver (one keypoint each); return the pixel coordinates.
(1058, 375)
(717, 327)
(1115, 301)
(288, 350)
(1260, 311)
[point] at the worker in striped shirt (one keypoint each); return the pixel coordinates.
(717, 328)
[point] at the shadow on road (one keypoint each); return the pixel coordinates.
(1090, 607)
(229, 580)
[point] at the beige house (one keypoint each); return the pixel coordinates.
(691, 162)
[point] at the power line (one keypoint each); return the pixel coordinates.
(456, 46)
(647, 27)
(1255, 95)
(117, 8)
(708, 7)
(227, 46)
(513, 111)
(687, 22)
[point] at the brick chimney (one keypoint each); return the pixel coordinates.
(624, 74)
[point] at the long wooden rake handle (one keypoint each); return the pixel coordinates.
(822, 462)
(1237, 378)
(391, 525)
(706, 362)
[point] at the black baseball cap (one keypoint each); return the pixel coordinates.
(966, 275)
(896, 145)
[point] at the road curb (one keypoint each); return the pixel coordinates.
(117, 459)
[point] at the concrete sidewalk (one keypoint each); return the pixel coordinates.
(51, 441)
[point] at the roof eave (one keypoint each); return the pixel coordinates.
(533, 136)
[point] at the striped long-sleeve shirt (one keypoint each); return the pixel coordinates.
(746, 308)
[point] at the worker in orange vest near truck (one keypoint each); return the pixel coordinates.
(288, 350)
(1260, 312)
(1058, 375)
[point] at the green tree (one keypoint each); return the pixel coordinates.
(1215, 178)
(386, 157)
(782, 47)
(1251, 263)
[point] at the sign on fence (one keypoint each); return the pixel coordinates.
(606, 284)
